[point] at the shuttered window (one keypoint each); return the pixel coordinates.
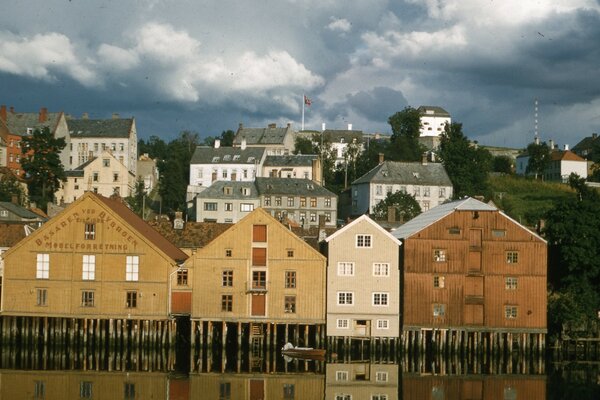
(259, 233)
(259, 256)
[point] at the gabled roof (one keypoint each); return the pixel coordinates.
(227, 155)
(357, 221)
(261, 136)
(217, 190)
(407, 173)
(100, 128)
(336, 136)
(17, 123)
(300, 160)
(290, 186)
(193, 234)
(565, 155)
(433, 111)
(586, 143)
(19, 211)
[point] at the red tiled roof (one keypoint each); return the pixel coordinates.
(566, 155)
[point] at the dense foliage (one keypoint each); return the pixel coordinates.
(539, 159)
(9, 187)
(405, 205)
(404, 143)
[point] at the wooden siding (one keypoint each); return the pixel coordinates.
(210, 262)
(475, 271)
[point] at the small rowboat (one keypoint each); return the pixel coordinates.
(302, 352)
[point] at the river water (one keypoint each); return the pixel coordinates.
(243, 376)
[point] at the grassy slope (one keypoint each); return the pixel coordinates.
(526, 200)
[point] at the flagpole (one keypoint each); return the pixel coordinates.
(303, 96)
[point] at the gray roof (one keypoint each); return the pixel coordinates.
(261, 136)
(17, 123)
(427, 218)
(335, 136)
(217, 190)
(78, 171)
(100, 128)
(291, 186)
(407, 173)
(300, 160)
(227, 155)
(18, 210)
(437, 111)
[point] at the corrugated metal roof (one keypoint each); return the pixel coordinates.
(408, 173)
(427, 218)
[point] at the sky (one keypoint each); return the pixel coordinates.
(206, 66)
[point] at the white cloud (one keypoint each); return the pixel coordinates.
(117, 58)
(43, 56)
(339, 24)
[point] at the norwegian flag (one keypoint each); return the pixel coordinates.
(307, 101)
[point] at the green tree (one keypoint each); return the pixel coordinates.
(539, 159)
(351, 153)
(467, 165)
(9, 187)
(155, 147)
(404, 143)
(405, 205)
(42, 166)
(227, 138)
(503, 164)
(138, 199)
(306, 145)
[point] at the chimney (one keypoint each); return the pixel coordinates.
(391, 214)
(289, 124)
(321, 221)
(217, 143)
(272, 126)
(243, 146)
(536, 140)
(85, 115)
(323, 126)
(43, 114)
(241, 126)
(381, 158)
(316, 171)
(349, 127)
(594, 135)
(424, 159)
(3, 113)
(551, 144)
(115, 116)
(566, 147)
(14, 199)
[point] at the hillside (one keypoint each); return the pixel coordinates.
(526, 200)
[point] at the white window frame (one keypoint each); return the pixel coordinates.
(511, 312)
(439, 310)
(379, 396)
(380, 299)
(88, 267)
(512, 257)
(345, 298)
(246, 207)
(439, 281)
(381, 376)
(364, 241)
(343, 323)
(381, 269)
(132, 268)
(511, 283)
(43, 266)
(345, 268)
(383, 324)
(440, 255)
(341, 375)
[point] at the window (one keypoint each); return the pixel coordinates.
(439, 310)
(115, 177)
(379, 397)
(381, 269)
(327, 201)
(131, 299)
(439, 281)
(290, 253)
(85, 390)
(510, 312)
(378, 190)
(290, 304)
(259, 233)
(39, 390)
(290, 279)
(510, 283)
(313, 217)
(90, 231)
(426, 191)
(106, 162)
(417, 191)
(224, 174)
(228, 252)
(512, 257)
(43, 266)
(341, 375)
(327, 217)
(228, 206)
(210, 206)
(442, 192)
(3, 213)
(383, 324)
(95, 177)
(381, 376)
(246, 207)
(225, 391)
(132, 268)
(113, 146)
(313, 202)
(267, 201)
(121, 147)
(89, 268)
(290, 202)
(363, 240)
(425, 205)
(302, 201)
(345, 298)
(342, 324)
(439, 255)
(510, 393)
(87, 298)
(498, 233)
(289, 390)
(227, 302)
(278, 201)
(345, 269)
(182, 277)
(227, 278)
(380, 299)
(259, 280)
(259, 256)
(42, 297)
(343, 396)
(454, 231)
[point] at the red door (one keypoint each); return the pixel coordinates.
(258, 305)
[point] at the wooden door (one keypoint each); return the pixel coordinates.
(474, 261)
(259, 305)
(475, 238)
(472, 390)
(257, 389)
(473, 314)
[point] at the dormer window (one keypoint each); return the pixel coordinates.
(228, 190)
(236, 157)
(226, 157)
(216, 159)
(246, 191)
(251, 159)
(416, 175)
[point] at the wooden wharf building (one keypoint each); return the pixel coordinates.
(257, 286)
(96, 275)
(474, 280)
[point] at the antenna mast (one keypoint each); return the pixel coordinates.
(535, 121)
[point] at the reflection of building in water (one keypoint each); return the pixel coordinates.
(361, 381)
(60, 385)
(256, 386)
(471, 387)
